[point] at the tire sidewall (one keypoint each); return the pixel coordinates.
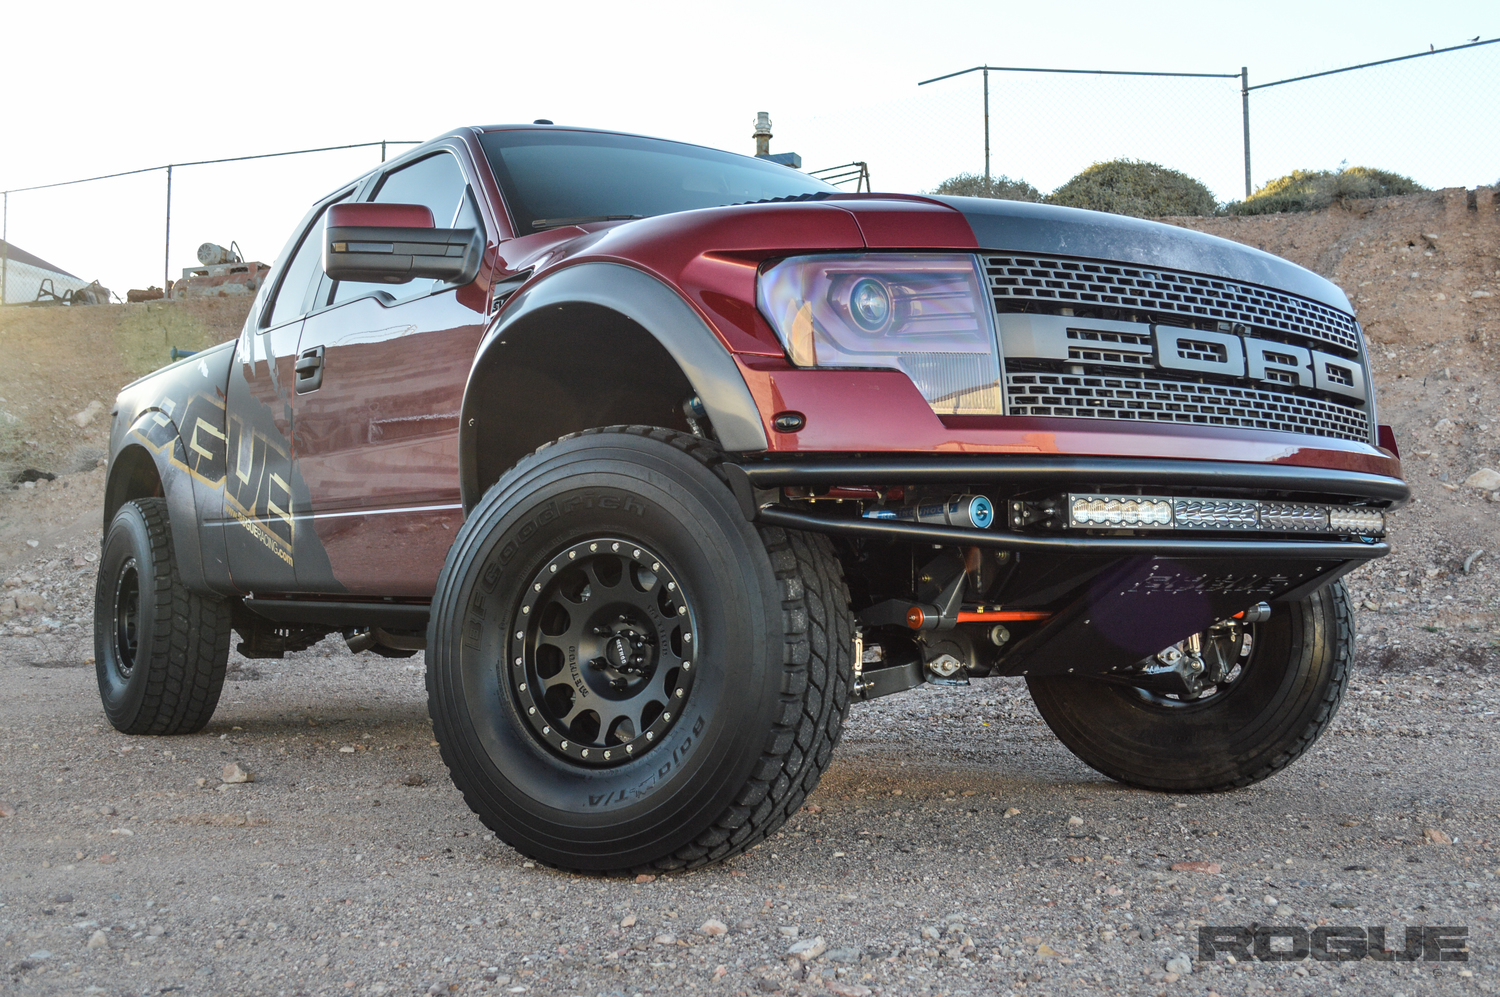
(648, 492)
(128, 538)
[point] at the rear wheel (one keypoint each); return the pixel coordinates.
(1273, 689)
(623, 673)
(160, 651)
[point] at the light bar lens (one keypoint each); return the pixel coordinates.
(1094, 510)
(1296, 517)
(925, 314)
(1215, 514)
(1354, 520)
(1161, 512)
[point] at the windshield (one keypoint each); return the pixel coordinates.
(550, 175)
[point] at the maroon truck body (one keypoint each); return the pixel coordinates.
(751, 448)
(361, 484)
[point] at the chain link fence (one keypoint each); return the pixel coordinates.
(1428, 116)
(163, 213)
(1425, 115)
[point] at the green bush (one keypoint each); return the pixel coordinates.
(1001, 187)
(1311, 190)
(1132, 187)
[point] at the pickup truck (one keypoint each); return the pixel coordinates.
(665, 456)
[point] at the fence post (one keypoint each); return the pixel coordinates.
(166, 253)
(1245, 111)
(986, 129)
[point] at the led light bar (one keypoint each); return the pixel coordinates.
(1164, 512)
(1122, 511)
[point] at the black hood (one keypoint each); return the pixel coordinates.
(1024, 227)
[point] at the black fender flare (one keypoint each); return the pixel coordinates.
(654, 306)
(155, 436)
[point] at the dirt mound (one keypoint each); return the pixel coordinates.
(60, 360)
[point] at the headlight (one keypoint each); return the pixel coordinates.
(923, 314)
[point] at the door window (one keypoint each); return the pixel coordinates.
(301, 277)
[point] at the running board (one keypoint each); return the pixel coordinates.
(336, 615)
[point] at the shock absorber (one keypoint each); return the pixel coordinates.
(975, 512)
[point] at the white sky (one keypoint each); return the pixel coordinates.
(118, 86)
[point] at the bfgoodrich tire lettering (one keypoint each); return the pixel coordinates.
(160, 651)
(771, 647)
(1286, 697)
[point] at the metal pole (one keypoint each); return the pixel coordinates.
(166, 253)
(986, 130)
(1245, 110)
(5, 260)
(382, 150)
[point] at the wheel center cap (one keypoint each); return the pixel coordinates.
(620, 652)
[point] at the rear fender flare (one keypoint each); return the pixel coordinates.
(154, 436)
(649, 303)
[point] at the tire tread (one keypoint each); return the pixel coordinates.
(189, 650)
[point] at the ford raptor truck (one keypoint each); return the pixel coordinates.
(666, 456)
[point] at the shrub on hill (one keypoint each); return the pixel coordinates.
(1001, 187)
(1312, 190)
(1133, 187)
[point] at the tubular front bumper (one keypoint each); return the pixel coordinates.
(757, 484)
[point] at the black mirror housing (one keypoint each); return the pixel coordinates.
(390, 244)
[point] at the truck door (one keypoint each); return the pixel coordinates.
(377, 427)
(262, 493)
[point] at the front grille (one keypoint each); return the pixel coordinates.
(1091, 282)
(1182, 402)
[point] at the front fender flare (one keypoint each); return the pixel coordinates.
(655, 307)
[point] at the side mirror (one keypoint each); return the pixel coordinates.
(396, 243)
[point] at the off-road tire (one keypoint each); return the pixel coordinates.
(1265, 720)
(169, 681)
(768, 700)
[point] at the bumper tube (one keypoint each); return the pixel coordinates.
(1041, 472)
(1305, 550)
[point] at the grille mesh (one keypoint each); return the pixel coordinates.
(1026, 278)
(1182, 402)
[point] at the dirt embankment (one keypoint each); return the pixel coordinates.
(55, 361)
(1422, 270)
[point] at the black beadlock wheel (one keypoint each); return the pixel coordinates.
(160, 650)
(602, 660)
(624, 674)
(1280, 691)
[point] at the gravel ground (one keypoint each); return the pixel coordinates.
(953, 848)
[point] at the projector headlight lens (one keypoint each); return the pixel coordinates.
(870, 304)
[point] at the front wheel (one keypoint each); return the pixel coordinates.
(1278, 686)
(623, 673)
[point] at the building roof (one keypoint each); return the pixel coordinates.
(20, 255)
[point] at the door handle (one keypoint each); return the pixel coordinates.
(309, 369)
